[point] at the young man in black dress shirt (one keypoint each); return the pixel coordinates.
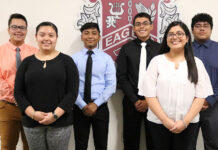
(128, 61)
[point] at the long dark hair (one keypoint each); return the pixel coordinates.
(192, 68)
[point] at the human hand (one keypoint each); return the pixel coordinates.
(178, 127)
(48, 119)
(168, 123)
(141, 105)
(39, 115)
(205, 105)
(90, 109)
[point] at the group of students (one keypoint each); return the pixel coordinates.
(49, 91)
(175, 87)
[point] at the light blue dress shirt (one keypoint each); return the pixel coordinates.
(103, 83)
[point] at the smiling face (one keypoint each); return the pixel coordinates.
(176, 38)
(142, 28)
(90, 38)
(46, 38)
(202, 31)
(17, 31)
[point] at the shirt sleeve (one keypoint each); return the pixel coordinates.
(19, 88)
(150, 79)
(203, 87)
(72, 85)
(212, 99)
(79, 101)
(110, 83)
(122, 76)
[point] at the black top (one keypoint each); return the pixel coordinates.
(45, 89)
(128, 65)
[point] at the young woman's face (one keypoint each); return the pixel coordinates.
(46, 38)
(176, 38)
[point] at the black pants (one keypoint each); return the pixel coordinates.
(163, 139)
(132, 120)
(99, 122)
(209, 127)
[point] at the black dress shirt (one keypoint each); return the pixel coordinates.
(128, 65)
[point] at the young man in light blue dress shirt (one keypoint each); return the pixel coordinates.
(93, 111)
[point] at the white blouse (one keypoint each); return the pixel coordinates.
(172, 88)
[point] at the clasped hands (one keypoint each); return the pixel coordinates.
(174, 126)
(205, 105)
(141, 105)
(90, 109)
(44, 118)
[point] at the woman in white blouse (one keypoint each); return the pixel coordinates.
(176, 85)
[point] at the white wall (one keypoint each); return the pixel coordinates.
(64, 14)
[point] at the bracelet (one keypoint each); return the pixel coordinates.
(184, 123)
(33, 115)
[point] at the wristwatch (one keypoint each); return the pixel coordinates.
(55, 116)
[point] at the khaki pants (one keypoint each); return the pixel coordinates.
(10, 127)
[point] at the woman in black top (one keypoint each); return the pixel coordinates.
(46, 88)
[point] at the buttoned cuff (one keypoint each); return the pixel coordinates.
(80, 104)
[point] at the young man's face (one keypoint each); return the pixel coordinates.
(202, 31)
(142, 28)
(90, 38)
(17, 31)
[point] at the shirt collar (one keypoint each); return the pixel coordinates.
(138, 41)
(205, 44)
(84, 51)
(14, 47)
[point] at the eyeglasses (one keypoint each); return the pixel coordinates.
(145, 23)
(15, 27)
(199, 26)
(177, 34)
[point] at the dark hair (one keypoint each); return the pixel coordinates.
(202, 17)
(16, 16)
(90, 25)
(189, 56)
(142, 15)
(47, 23)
